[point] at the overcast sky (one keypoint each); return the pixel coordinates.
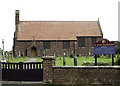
(60, 10)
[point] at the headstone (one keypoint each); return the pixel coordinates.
(44, 54)
(19, 54)
(8, 55)
(64, 60)
(16, 55)
(102, 55)
(117, 55)
(0, 53)
(3, 57)
(109, 55)
(23, 54)
(0, 74)
(89, 53)
(67, 53)
(12, 55)
(79, 55)
(5, 54)
(75, 61)
(72, 52)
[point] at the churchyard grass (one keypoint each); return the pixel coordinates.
(19, 59)
(39, 59)
(69, 61)
(80, 60)
(16, 60)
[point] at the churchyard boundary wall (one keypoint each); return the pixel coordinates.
(79, 74)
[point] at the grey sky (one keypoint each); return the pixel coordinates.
(65, 10)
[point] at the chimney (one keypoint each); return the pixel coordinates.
(16, 19)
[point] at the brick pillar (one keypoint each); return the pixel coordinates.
(48, 62)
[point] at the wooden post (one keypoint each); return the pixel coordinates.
(95, 60)
(112, 60)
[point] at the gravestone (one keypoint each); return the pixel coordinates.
(16, 55)
(0, 54)
(23, 54)
(5, 54)
(89, 53)
(117, 55)
(79, 55)
(12, 55)
(64, 60)
(0, 74)
(75, 61)
(3, 57)
(109, 55)
(102, 55)
(19, 54)
(8, 55)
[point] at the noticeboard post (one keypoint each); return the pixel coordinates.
(104, 46)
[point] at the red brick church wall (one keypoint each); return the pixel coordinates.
(23, 45)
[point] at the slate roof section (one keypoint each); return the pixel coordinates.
(57, 30)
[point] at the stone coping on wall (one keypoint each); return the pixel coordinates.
(87, 67)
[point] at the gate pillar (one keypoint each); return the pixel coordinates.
(48, 62)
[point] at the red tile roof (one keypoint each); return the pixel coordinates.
(57, 30)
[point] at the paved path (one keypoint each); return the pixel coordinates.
(31, 60)
(22, 83)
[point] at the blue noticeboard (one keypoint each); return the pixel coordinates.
(104, 50)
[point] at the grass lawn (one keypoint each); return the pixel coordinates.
(16, 60)
(39, 59)
(70, 61)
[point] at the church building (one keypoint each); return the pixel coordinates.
(40, 38)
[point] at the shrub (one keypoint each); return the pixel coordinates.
(117, 61)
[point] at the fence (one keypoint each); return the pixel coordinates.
(22, 71)
(21, 65)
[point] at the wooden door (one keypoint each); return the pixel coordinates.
(33, 52)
